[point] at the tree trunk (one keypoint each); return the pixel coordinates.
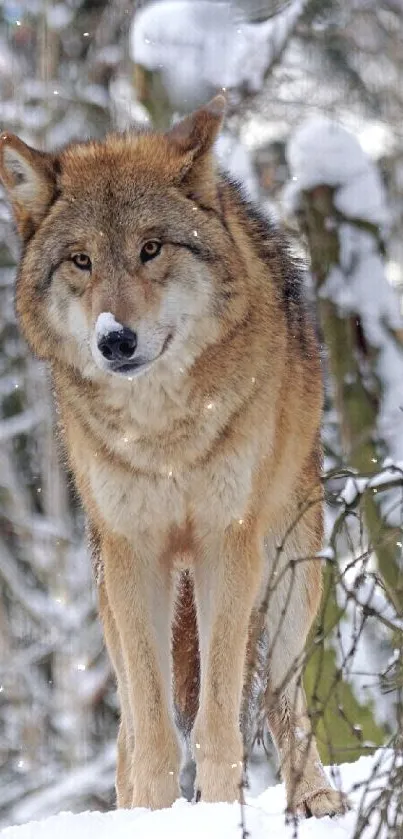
(343, 721)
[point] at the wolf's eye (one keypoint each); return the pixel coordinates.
(82, 261)
(150, 250)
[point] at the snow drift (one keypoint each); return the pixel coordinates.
(264, 816)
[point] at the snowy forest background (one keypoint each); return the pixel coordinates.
(314, 130)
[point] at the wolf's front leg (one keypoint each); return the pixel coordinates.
(226, 583)
(124, 791)
(141, 604)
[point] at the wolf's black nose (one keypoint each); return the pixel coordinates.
(118, 345)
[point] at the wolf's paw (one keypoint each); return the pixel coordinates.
(324, 802)
(218, 781)
(155, 793)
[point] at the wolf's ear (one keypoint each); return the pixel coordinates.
(193, 139)
(29, 178)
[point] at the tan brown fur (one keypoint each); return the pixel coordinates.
(203, 461)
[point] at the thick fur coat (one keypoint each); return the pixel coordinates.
(187, 376)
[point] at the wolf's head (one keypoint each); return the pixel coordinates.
(126, 258)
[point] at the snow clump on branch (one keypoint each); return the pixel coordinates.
(199, 46)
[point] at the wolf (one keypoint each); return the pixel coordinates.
(187, 376)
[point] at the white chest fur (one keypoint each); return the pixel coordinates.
(170, 468)
(134, 503)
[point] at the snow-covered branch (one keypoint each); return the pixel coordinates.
(322, 153)
(23, 423)
(199, 47)
(95, 777)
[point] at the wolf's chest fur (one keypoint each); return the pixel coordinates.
(155, 456)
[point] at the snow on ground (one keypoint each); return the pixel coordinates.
(264, 816)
